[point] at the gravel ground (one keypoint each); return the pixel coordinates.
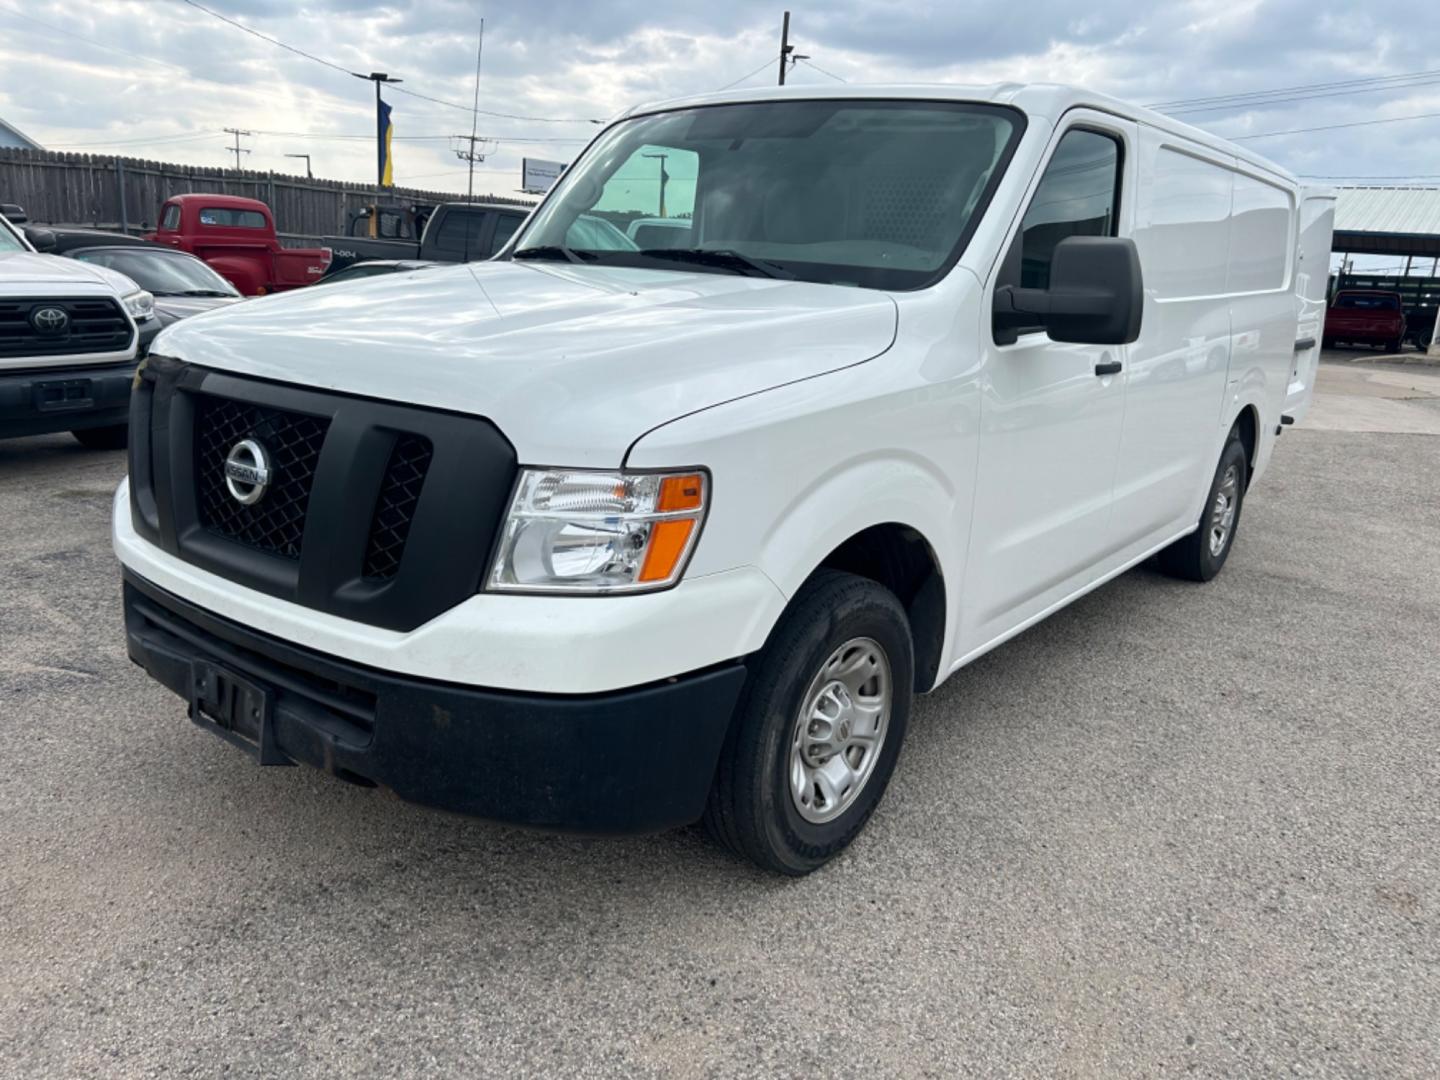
(1172, 829)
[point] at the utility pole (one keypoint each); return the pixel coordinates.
(785, 47)
(475, 114)
(664, 179)
(308, 174)
(237, 149)
(788, 56)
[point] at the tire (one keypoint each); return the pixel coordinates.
(1194, 557)
(754, 808)
(114, 437)
(1327, 343)
(1394, 346)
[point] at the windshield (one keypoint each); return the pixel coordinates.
(160, 272)
(881, 194)
(8, 240)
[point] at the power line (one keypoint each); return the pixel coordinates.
(742, 78)
(810, 63)
(267, 37)
(155, 140)
(1262, 103)
(1332, 127)
(129, 54)
(397, 89)
(1288, 89)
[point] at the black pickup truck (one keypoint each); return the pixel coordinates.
(450, 232)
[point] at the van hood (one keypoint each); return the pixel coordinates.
(571, 363)
(21, 271)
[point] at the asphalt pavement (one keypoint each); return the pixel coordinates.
(1173, 829)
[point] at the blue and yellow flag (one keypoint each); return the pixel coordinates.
(383, 133)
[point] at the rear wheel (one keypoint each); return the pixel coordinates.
(1394, 346)
(114, 437)
(1199, 556)
(819, 727)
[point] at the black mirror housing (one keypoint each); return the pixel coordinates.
(1096, 294)
(41, 239)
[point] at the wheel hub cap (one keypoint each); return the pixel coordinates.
(839, 730)
(1222, 513)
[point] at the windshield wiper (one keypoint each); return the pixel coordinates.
(722, 259)
(200, 292)
(552, 251)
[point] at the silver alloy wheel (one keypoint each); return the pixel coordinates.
(841, 727)
(1222, 514)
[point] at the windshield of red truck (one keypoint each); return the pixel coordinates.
(880, 194)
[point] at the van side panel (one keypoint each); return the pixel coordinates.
(1262, 309)
(1176, 379)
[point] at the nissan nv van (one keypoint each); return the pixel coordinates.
(609, 537)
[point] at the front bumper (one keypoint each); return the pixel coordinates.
(633, 760)
(541, 644)
(40, 401)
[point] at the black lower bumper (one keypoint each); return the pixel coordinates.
(636, 760)
(41, 401)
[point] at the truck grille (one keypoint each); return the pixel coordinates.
(96, 325)
(276, 523)
(395, 508)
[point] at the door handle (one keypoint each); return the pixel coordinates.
(1111, 367)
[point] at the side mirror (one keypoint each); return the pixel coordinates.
(1096, 294)
(13, 213)
(41, 239)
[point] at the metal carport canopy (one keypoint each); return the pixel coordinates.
(1388, 221)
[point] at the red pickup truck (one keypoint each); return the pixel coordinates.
(237, 238)
(1366, 317)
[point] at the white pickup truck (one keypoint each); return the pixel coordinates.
(608, 537)
(69, 335)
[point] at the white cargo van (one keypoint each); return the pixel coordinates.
(614, 538)
(69, 334)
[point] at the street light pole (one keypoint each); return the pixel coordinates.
(378, 78)
(308, 174)
(664, 179)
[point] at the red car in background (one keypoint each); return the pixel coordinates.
(237, 238)
(1366, 317)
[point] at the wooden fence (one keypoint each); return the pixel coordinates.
(125, 194)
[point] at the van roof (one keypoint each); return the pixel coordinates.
(1048, 100)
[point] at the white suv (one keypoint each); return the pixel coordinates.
(609, 538)
(69, 334)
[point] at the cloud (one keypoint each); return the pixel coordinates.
(126, 70)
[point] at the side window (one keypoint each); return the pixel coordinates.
(460, 232)
(1079, 195)
(505, 226)
(171, 221)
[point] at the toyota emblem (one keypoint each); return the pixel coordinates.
(247, 472)
(49, 320)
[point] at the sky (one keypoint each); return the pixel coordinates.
(160, 79)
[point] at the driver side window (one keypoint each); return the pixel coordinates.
(1078, 195)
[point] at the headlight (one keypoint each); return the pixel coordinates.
(141, 306)
(589, 531)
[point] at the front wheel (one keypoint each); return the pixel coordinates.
(1394, 346)
(114, 437)
(818, 729)
(1199, 556)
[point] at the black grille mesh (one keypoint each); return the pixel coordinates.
(96, 325)
(276, 523)
(395, 506)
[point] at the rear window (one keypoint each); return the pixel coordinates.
(171, 221)
(231, 219)
(460, 232)
(1362, 302)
